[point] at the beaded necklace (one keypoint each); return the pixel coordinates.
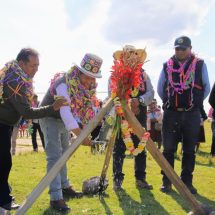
(186, 78)
(81, 98)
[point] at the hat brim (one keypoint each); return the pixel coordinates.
(181, 46)
(92, 75)
(140, 52)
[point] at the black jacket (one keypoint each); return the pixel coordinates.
(212, 99)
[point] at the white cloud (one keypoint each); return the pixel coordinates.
(78, 11)
(158, 21)
(63, 31)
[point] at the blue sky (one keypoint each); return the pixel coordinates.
(64, 30)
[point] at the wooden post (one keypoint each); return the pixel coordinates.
(108, 155)
(61, 162)
(163, 163)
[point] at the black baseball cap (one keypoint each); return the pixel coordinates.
(182, 42)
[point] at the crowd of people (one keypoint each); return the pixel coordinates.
(69, 105)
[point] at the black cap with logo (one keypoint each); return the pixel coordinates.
(182, 42)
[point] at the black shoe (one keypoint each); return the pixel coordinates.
(59, 205)
(191, 188)
(142, 184)
(11, 206)
(70, 192)
(166, 188)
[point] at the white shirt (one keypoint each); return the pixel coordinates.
(65, 112)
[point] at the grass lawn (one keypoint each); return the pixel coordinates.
(28, 169)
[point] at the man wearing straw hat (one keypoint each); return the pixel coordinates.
(131, 57)
(78, 86)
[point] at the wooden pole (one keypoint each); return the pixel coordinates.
(108, 155)
(61, 162)
(163, 163)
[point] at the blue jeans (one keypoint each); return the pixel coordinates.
(181, 127)
(56, 143)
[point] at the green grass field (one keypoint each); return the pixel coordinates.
(28, 169)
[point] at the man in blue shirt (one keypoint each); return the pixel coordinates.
(183, 85)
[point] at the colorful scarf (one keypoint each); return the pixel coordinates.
(81, 98)
(22, 79)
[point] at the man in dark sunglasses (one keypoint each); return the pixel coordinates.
(180, 49)
(183, 85)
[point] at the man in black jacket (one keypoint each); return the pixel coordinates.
(15, 101)
(212, 103)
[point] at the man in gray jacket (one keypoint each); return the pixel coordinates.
(15, 101)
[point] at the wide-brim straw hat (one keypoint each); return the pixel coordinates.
(141, 53)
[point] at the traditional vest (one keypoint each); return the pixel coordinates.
(49, 98)
(192, 97)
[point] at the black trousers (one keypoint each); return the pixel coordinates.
(118, 159)
(181, 127)
(213, 138)
(36, 127)
(5, 163)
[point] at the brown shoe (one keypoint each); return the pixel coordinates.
(142, 184)
(59, 205)
(70, 192)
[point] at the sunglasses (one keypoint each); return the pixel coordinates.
(180, 49)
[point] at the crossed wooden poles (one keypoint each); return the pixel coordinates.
(139, 131)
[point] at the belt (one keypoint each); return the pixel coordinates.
(181, 109)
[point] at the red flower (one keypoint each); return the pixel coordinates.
(124, 79)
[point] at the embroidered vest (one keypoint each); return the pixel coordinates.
(49, 98)
(190, 98)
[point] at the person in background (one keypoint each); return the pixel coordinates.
(183, 85)
(154, 122)
(212, 103)
(36, 127)
(97, 105)
(23, 127)
(201, 139)
(78, 86)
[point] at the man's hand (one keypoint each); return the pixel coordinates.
(59, 102)
(135, 106)
(87, 142)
